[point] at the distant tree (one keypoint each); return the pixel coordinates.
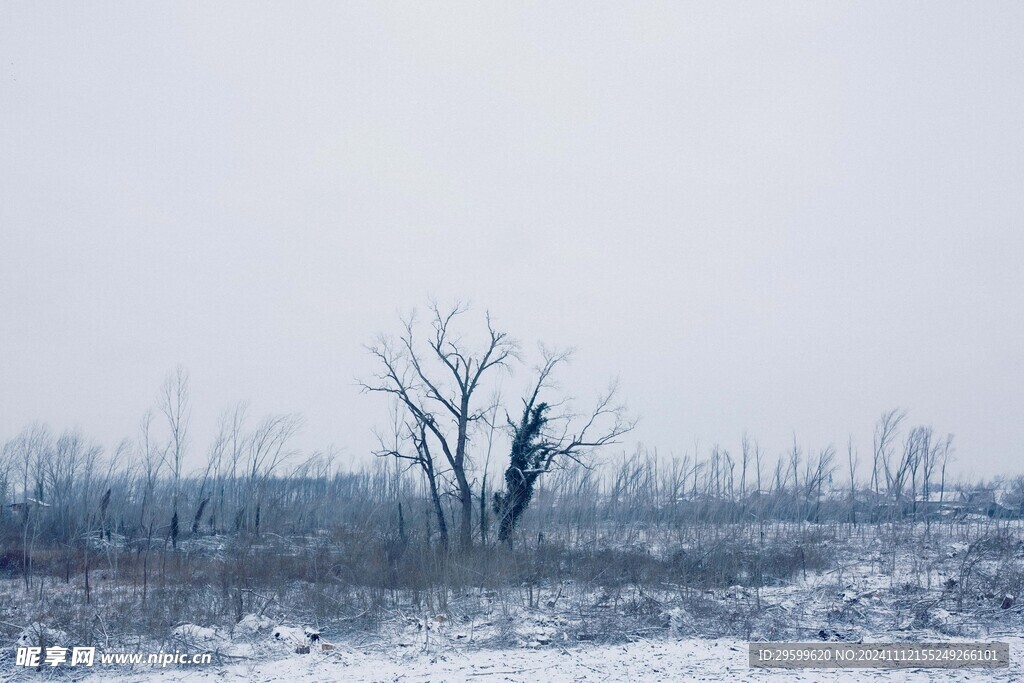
(152, 457)
(269, 446)
(176, 408)
(30, 452)
(851, 461)
(885, 433)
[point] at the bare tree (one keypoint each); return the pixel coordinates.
(237, 440)
(214, 473)
(153, 457)
(907, 466)
(816, 475)
(68, 476)
(6, 466)
(852, 461)
(437, 382)
(268, 449)
(945, 457)
(745, 461)
(174, 404)
(885, 432)
(491, 421)
(757, 466)
(30, 453)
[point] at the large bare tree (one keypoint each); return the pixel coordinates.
(437, 381)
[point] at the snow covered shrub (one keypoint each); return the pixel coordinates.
(680, 623)
(40, 635)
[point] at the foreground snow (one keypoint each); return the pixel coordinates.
(662, 660)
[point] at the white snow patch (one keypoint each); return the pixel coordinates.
(40, 633)
(252, 624)
(193, 633)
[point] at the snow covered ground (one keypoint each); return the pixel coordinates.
(911, 587)
(661, 660)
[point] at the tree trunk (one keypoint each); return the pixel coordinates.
(466, 521)
(465, 491)
(435, 499)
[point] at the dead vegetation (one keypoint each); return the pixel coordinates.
(125, 548)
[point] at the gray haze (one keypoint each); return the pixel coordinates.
(771, 217)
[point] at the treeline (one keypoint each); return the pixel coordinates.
(73, 504)
(259, 526)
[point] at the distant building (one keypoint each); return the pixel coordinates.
(27, 504)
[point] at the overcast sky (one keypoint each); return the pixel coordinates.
(774, 217)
